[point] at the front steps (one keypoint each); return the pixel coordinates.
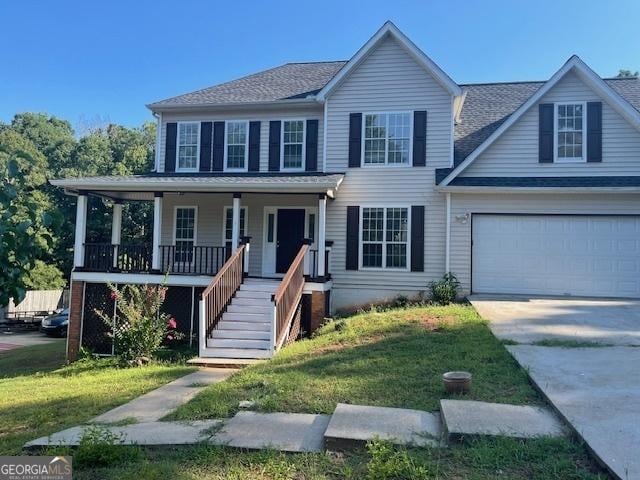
(244, 331)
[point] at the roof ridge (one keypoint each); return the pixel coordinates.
(314, 61)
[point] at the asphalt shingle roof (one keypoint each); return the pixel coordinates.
(292, 80)
(485, 108)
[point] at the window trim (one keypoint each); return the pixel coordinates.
(224, 220)
(197, 167)
(195, 228)
(246, 147)
(386, 163)
(556, 158)
(384, 267)
(303, 167)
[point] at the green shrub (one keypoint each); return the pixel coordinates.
(445, 290)
(99, 447)
(390, 463)
(140, 327)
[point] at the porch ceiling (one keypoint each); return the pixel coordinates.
(142, 187)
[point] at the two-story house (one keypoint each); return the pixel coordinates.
(311, 187)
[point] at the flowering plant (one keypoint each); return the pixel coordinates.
(139, 327)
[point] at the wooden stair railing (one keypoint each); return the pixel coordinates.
(287, 298)
(220, 291)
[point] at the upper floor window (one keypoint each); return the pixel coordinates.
(237, 149)
(293, 144)
(188, 146)
(384, 237)
(570, 135)
(387, 138)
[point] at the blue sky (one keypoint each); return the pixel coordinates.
(92, 62)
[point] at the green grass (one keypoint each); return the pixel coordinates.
(37, 401)
(500, 458)
(28, 360)
(393, 359)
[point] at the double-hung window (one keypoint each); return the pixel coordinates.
(185, 234)
(228, 224)
(570, 125)
(387, 138)
(188, 146)
(293, 138)
(384, 237)
(237, 145)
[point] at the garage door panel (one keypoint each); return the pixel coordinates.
(556, 255)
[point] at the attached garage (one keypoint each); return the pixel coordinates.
(580, 255)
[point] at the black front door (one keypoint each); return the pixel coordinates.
(290, 236)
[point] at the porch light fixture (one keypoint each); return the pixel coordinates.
(463, 218)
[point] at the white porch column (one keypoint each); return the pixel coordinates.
(447, 250)
(157, 230)
(235, 225)
(81, 230)
(116, 229)
(322, 252)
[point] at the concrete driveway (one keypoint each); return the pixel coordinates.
(596, 389)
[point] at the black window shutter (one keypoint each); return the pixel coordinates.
(545, 133)
(254, 146)
(274, 145)
(594, 131)
(206, 132)
(353, 237)
(170, 147)
(417, 238)
(218, 146)
(355, 139)
(419, 138)
(311, 147)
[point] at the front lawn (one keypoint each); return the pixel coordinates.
(39, 397)
(393, 359)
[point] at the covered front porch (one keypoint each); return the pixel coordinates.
(196, 229)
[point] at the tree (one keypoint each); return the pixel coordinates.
(44, 276)
(622, 73)
(23, 228)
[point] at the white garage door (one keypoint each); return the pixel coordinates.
(556, 255)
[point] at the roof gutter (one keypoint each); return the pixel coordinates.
(561, 190)
(237, 105)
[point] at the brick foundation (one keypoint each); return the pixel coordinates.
(318, 310)
(76, 304)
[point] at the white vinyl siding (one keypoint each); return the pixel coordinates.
(263, 116)
(515, 153)
(388, 80)
(587, 204)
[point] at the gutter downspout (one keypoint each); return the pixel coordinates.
(447, 254)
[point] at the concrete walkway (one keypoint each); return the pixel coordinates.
(596, 390)
(158, 403)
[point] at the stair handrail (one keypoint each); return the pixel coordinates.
(287, 297)
(221, 290)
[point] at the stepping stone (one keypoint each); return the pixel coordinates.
(153, 433)
(289, 432)
(353, 425)
(469, 418)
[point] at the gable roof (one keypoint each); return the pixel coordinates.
(286, 82)
(390, 30)
(627, 108)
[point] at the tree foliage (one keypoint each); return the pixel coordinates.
(622, 73)
(43, 147)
